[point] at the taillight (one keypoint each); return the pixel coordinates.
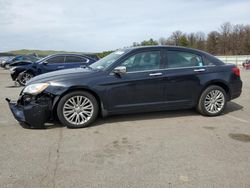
(236, 71)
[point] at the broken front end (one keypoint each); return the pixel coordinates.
(32, 111)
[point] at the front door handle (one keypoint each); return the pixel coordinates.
(60, 67)
(155, 74)
(199, 70)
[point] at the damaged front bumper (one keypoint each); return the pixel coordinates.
(31, 113)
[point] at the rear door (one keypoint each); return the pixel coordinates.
(75, 61)
(185, 70)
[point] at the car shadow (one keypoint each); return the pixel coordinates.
(14, 86)
(231, 107)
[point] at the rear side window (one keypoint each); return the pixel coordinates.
(178, 59)
(75, 59)
(58, 59)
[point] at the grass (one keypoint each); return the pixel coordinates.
(43, 53)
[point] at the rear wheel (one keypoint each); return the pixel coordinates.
(212, 101)
(26, 76)
(77, 109)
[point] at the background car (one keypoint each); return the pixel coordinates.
(246, 64)
(24, 71)
(3, 59)
(27, 58)
(130, 81)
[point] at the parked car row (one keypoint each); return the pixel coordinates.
(23, 71)
(20, 58)
(126, 81)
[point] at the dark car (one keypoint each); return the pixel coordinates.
(24, 71)
(28, 58)
(3, 59)
(129, 81)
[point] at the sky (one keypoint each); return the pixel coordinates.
(99, 25)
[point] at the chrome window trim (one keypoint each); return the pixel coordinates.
(172, 69)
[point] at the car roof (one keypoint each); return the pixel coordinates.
(164, 46)
(69, 54)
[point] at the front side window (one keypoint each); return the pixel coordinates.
(178, 59)
(58, 59)
(75, 59)
(143, 61)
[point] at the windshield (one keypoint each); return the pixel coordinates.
(42, 59)
(108, 60)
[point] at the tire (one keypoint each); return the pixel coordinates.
(26, 76)
(208, 97)
(84, 106)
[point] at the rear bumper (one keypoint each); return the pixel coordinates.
(32, 115)
(236, 89)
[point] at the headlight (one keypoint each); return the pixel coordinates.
(35, 89)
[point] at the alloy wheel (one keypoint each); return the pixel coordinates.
(25, 77)
(214, 101)
(78, 110)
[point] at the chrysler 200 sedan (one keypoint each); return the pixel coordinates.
(129, 81)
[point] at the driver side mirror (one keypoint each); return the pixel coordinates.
(45, 62)
(120, 70)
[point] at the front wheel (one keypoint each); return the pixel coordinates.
(212, 101)
(77, 109)
(24, 78)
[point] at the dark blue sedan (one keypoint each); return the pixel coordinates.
(24, 71)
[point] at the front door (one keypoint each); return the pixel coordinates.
(141, 87)
(52, 64)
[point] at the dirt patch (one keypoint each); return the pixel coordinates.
(240, 137)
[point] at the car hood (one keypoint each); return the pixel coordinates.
(21, 63)
(62, 75)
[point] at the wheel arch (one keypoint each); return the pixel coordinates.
(77, 88)
(220, 83)
(30, 71)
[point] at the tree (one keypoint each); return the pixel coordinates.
(224, 39)
(149, 42)
(183, 41)
(228, 40)
(192, 40)
(212, 42)
(200, 38)
(175, 37)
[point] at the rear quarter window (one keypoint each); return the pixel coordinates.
(182, 59)
(207, 62)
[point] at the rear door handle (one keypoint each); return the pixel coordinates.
(155, 74)
(60, 67)
(199, 70)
